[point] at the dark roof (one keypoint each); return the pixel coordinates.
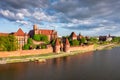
(73, 34)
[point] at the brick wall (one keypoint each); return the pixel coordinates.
(42, 51)
(75, 48)
(26, 52)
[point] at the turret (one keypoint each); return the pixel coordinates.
(66, 46)
(57, 46)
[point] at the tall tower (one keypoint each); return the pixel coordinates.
(35, 29)
(66, 46)
(25, 38)
(57, 46)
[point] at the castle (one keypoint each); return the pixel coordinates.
(51, 34)
(22, 37)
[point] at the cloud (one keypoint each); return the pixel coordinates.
(10, 15)
(100, 16)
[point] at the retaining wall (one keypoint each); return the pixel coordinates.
(82, 48)
(25, 52)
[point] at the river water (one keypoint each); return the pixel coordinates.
(97, 65)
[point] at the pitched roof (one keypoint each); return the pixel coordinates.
(4, 34)
(67, 42)
(46, 32)
(73, 34)
(19, 33)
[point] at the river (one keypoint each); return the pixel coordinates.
(97, 65)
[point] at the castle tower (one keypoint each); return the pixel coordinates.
(56, 48)
(66, 46)
(35, 28)
(25, 38)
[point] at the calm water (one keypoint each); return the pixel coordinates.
(98, 65)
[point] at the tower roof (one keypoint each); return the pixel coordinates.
(73, 34)
(67, 42)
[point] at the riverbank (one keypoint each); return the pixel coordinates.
(44, 57)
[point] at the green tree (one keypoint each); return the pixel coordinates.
(36, 37)
(29, 41)
(93, 40)
(40, 37)
(8, 43)
(116, 39)
(83, 40)
(74, 42)
(26, 47)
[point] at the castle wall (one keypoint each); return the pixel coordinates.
(25, 52)
(82, 48)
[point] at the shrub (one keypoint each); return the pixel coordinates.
(26, 47)
(74, 42)
(8, 43)
(40, 37)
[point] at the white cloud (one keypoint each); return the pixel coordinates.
(22, 22)
(25, 12)
(42, 16)
(12, 16)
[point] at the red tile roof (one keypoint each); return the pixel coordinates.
(4, 34)
(46, 32)
(19, 33)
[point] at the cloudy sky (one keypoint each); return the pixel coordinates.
(89, 17)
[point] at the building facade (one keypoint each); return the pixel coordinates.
(21, 37)
(51, 34)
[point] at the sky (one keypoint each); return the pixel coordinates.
(88, 17)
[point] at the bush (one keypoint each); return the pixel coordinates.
(74, 42)
(43, 46)
(29, 41)
(83, 40)
(26, 47)
(8, 43)
(40, 37)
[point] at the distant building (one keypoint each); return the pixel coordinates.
(20, 36)
(106, 38)
(51, 34)
(73, 36)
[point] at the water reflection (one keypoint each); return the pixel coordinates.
(98, 65)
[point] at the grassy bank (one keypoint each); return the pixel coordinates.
(43, 57)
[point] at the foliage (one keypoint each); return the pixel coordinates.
(93, 40)
(83, 40)
(43, 46)
(29, 41)
(74, 42)
(8, 43)
(29, 44)
(52, 42)
(116, 39)
(40, 37)
(26, 47)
